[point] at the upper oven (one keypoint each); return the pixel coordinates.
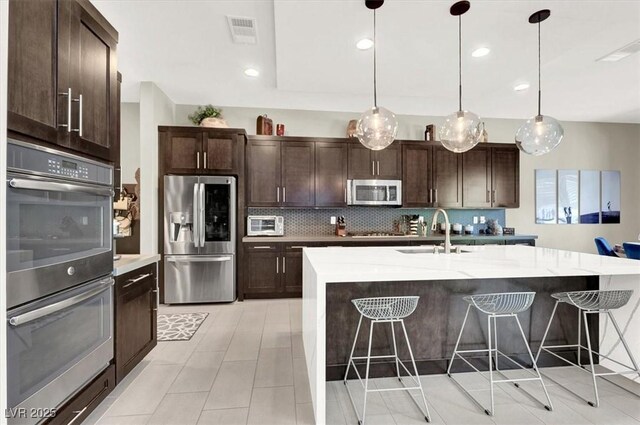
(59, 215)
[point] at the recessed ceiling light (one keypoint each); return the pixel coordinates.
(250, 72)
(364, 44)
(521, 86)
(480, 52)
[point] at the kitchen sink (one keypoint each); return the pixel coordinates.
(426, 250)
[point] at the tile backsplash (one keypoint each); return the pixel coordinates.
(316, 222)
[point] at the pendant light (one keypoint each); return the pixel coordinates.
(542, 133)
(462, 129)
(378, 126)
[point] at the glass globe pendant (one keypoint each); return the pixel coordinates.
(540, 134)
(462, 129)
(377, 127)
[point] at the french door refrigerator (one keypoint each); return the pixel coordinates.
(199, 239)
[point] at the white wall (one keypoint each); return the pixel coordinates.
(129, 140)
(155, 109)
(4, 37)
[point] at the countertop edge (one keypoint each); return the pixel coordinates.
(133, 262)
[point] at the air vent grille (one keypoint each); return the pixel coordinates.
(622, 53)
(243, 29)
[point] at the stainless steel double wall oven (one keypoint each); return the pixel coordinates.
(59, 266)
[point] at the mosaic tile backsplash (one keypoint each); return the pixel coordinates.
(316, 222)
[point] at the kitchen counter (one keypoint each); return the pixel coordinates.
(333, 276)
(337, 239)
(130, 262)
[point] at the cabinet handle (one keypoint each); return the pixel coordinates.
(435, 196)
(284, 265)
(373, 168)
(430, 196)
(205, 161)
(378, 163)
(493, 196)
(277, 265)
(262, 247)
(345, 195)
(278, 194)
(198, 160)
(78, 414)
(487, 197)
(284, 194)
(79, 129)
(68, 124)
(137, 279)
(298, 246)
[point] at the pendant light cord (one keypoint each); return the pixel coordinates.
(539, 84)
(460, 62)
(375, 46)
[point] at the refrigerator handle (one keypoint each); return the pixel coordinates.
(201, 216)
(194, 219)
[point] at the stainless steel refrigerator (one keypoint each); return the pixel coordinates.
(199, 239)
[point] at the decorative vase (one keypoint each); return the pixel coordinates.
(214, 123)
(351, 128)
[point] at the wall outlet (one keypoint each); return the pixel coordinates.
(482, 219)
(420, 219)
(475, 219)
(333, 219)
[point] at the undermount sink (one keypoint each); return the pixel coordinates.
(426, 250)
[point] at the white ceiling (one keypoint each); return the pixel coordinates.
(307, 57)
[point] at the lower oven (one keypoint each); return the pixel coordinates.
(57, 344)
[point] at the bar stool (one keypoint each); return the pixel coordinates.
(385, 310)
(591, 302)
(507, 304)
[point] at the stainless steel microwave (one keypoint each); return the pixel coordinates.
(265, 225)
(374, 192)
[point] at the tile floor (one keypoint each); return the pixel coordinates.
(245, 366)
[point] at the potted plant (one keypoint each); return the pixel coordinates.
(208, 116)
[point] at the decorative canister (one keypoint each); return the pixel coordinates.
(280, 129)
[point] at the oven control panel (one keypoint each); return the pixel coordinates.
(67, 168)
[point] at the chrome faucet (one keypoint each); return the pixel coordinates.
(447, 234)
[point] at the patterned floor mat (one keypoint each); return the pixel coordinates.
(179, 326)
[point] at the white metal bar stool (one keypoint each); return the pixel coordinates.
(385, 310)
(591, 302)
(507, 304)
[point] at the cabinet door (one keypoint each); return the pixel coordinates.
(219, 153)
(32, 96)
(135, 318)
(263, 169)
(416, 176)
(94, 82)
(447, 178)
(262, 270)
(298, 172)
(505, 166)
(476, 178)
(292, 271)
(183, 153)
(331, 174)
(361, 165)
(388, 162)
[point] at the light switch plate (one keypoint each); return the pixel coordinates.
(333, 219)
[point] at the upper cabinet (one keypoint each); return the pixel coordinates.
(196, 150)
(366, 164)
(491, 177)
(63, 76)
(331, 174)
(280, 173)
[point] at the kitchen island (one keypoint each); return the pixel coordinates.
(334, 276)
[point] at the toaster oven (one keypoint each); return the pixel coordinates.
(265, 225)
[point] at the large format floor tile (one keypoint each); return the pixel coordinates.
(233, 385)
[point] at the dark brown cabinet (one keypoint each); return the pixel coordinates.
(63, 76)
(273, 269)
(331, 174)
(385, 164)
(190, 150)
(136, 317)
(432, 176)
(491, 177)
(281, 173)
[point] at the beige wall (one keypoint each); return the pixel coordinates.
(586, 146)
(129, 140)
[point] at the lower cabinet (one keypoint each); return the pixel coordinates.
(273, 270)
(136, 317)
(80, 406)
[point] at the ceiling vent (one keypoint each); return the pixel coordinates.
(622, 53)
(243, 30)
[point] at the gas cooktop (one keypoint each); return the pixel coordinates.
(377, 234)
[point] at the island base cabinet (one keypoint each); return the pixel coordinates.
(136, 318)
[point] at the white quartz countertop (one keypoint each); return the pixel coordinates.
(362, 264)
(130, 262)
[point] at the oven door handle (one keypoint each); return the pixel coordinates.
(17, 183)
(21, 319)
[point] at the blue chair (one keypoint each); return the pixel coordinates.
(604, 248)
(632, 250)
